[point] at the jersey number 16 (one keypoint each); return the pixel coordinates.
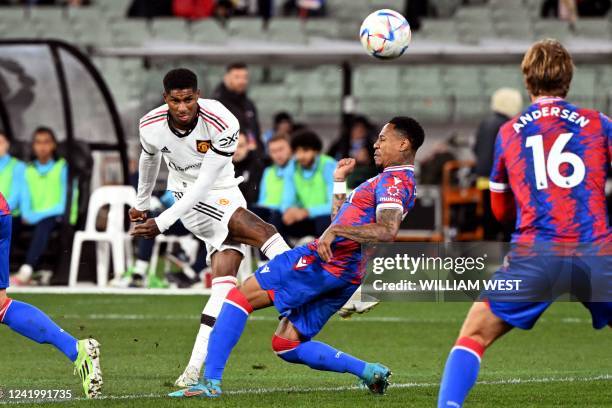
(556, 157)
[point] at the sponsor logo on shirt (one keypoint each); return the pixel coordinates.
(176, 167)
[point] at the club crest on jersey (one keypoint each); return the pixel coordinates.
(223, 201)
(202, 146)
(393, 190)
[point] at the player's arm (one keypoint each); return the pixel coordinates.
(219, 155)
(385, 229)
(502, 199)
(148, 169)
(343, 169)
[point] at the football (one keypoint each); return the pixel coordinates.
(385, 34)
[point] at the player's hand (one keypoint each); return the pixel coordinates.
(291, 216)
(324, 244)
(147, 229)
(137, 215)
(343, 169)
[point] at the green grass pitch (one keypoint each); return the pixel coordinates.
(146, 341)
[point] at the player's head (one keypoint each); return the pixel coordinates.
(44, 144)
(236, 77)
(547, 69)
(242, 148)
(306, 145)
(181, 93)
(5, 143)
(398, 142)
(279, 149)
(283, 123)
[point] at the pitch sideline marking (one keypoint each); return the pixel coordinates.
(256, 391)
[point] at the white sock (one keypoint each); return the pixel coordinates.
(141, 267)
(274, 246)
(220, 288)
(25, 272)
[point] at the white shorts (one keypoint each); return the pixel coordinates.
(209, 218)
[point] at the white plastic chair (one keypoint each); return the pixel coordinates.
(112, 240)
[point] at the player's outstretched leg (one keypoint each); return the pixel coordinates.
(237, 307)
(224, 265)
(287, 345)
(31, 322)
(480, 329)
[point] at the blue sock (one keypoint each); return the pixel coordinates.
(226, 333)
(32, 323)
(460, 373)
(319, 356)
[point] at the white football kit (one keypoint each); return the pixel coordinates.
(201, 173)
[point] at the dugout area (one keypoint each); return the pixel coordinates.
(51, 83)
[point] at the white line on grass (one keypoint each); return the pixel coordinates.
(356, 319)
(256, 391)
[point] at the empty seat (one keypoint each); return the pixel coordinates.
(325, 28)
(208, 32)
(130, 32)
(170, 29)
(288, 30)
(397, 5)
(599, 28)
(245, 28)
(439, 30)
(551, 29)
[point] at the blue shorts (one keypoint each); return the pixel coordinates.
(302, 290)
(5, 248)
(585, 278)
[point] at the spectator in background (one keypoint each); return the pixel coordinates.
(282, 124)
(593, 8)
(194, 9)
(150, 8)
(249, 165)
(304, 8)
(12, 173)
(271, 186)
(307, 187)
(232, 92)
(43, 198)
(358, 143)
(414, 10)
(505, 104)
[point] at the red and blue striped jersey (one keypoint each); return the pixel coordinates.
(4, 207)
(393, 188)
(555, 156)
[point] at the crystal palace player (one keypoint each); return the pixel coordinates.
(552, 159)
(308, 284)
(32, 323)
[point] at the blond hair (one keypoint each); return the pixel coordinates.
(507, 101)
(547, 69)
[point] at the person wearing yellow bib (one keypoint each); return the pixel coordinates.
(43, 198)
(12, 172)
(306, 201)
(272, 180)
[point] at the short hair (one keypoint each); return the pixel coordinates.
(548, 69)
(282, 117)
(45, 129)
(278, 137)
(306, 139)
(236, 65)
(180, 78)
(411, 129)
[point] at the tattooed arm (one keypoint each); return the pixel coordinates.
(385, 229)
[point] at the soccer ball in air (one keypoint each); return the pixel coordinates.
(385, 34)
